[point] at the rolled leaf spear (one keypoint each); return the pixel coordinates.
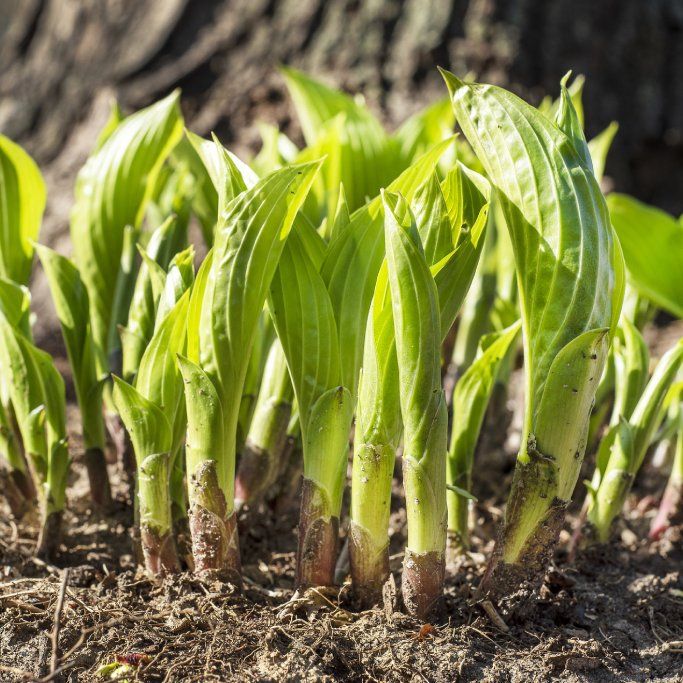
(570, 278)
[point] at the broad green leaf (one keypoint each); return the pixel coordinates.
(112, 191)
(316, 103)
(558, 223)
(358, 151)
(304, 319)
(22, 202)
(433, 220)
(653, 250)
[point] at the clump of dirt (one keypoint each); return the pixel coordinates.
(615, 614)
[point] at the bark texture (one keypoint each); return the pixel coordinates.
(61, 59)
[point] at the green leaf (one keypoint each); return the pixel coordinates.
(22, 376)
(316, 103)
(433, 220)
(647, 413)
(353, 259)
(15, 305)
(653, 250)
(417, 328)
(568, 121)
(249, 240)
(71, 304)
(112, 191)
(454, 275)
(178, 280)
(277, 150)
(158, 378)
(203, 158)
(557, 218)
(149, 284)
(205, 422)
(470, 399)
(22, 202)
(304, 319)
(358, 152)
(149, 429)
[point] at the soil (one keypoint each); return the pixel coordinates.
(614, 614)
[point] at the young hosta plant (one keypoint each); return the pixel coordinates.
(150, 410)
(570, 281)
(671, 507)
(22, 201)
(470, 399)
(334, 286)
(112, 192)
(378, 418)
(304, 319)
(417, 328)
(71, 303)
(37, 394)
(620, 459)
(227, 301)
(652, 242)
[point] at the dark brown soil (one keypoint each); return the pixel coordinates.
(616, 614)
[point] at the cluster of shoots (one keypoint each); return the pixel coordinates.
(362, 301)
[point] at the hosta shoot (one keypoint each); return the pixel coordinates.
(378, 418)
(149, 410)
(70, 299)
(333, 286)
(37, 393)
(227, 302)
(623, 452)
(417, 326)
(570, 287)
(470, 400)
